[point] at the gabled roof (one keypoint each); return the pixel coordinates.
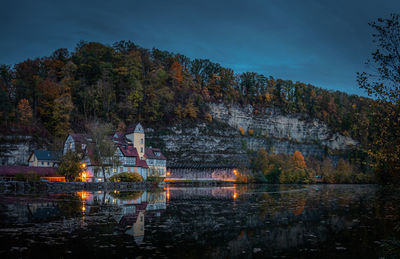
(141, 163)
(119, 137)
(46, 155)
(150, 154)
(79, 139)
(135, 128)
(128, 150)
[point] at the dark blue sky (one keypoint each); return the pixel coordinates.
(319, 42)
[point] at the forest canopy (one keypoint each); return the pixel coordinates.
(124, 83)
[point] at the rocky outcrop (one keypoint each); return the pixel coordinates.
(15, 150)
(273, 123)
(223, 144)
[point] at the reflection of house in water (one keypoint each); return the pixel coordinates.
(132, 208)
(28, 209)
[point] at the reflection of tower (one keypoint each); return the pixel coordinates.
(137, 229)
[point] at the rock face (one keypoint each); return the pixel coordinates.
(224, 145)
(279, 126)
(15, 150)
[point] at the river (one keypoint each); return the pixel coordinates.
(240, 221)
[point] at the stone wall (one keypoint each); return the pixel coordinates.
(41, 186)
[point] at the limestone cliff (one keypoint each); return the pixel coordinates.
(222, 143)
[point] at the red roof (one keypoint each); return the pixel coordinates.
(142, 163)
(41, 171)
(129, 150)
(150, 153)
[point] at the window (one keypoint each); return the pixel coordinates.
(41, 163)
(114, 170)
(157, 153)
(141, 150)
(121, 169)
(131, 160)
(141, 141)
(70, 145)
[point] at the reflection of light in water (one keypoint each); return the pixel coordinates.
(235, 195)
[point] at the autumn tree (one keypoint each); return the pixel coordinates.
(176, 72)
(70, 166)
(24, 111)
(383, 83)
(298, 159)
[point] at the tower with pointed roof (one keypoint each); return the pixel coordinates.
(135, 134)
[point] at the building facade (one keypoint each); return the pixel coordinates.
(130, 155)
(43, 158)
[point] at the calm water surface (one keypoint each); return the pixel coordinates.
(357, 221)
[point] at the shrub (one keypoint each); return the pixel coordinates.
(126, 177)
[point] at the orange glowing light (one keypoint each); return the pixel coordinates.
(235, 195)
(83, 165)
(168, 173)
(83, 208)
(84, 195)
(235, 171)
(168, 195)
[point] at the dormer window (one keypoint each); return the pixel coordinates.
(157, 153)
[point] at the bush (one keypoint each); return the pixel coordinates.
(29, 177)
(126, 177)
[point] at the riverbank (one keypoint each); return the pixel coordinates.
(42, 186)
